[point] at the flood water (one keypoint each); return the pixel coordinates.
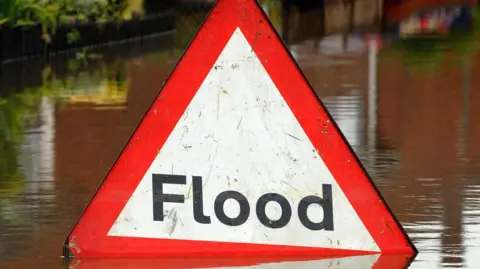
(410, 108)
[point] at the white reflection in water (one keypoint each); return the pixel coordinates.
(339, 44)
(427, 237)
(471, 226)
(37, 156)
(346, 111)
(359, 262)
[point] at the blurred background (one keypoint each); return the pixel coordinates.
(398, 76)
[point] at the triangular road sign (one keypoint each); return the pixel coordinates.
(237, 156)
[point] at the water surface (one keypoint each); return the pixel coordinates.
(409, 108)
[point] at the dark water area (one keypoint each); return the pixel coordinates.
(408, 105)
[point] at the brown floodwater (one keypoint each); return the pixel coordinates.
(410, 109)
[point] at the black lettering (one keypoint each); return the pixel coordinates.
(242, 202)
(159, 197)
(197, 189)
(325, 203)
(286, 210)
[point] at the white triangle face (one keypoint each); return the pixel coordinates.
(238, 134)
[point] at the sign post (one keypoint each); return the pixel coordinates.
(237, 156)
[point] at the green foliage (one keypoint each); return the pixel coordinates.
(4, 4)
(52, 13)
(273, 8)
(186, 25)
(73, 36)
(32, 12)
(115, 9)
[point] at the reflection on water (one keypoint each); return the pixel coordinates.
(58, 137)
(365, 261)
(407, 104)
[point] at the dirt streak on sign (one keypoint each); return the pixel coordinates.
(237, 156)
